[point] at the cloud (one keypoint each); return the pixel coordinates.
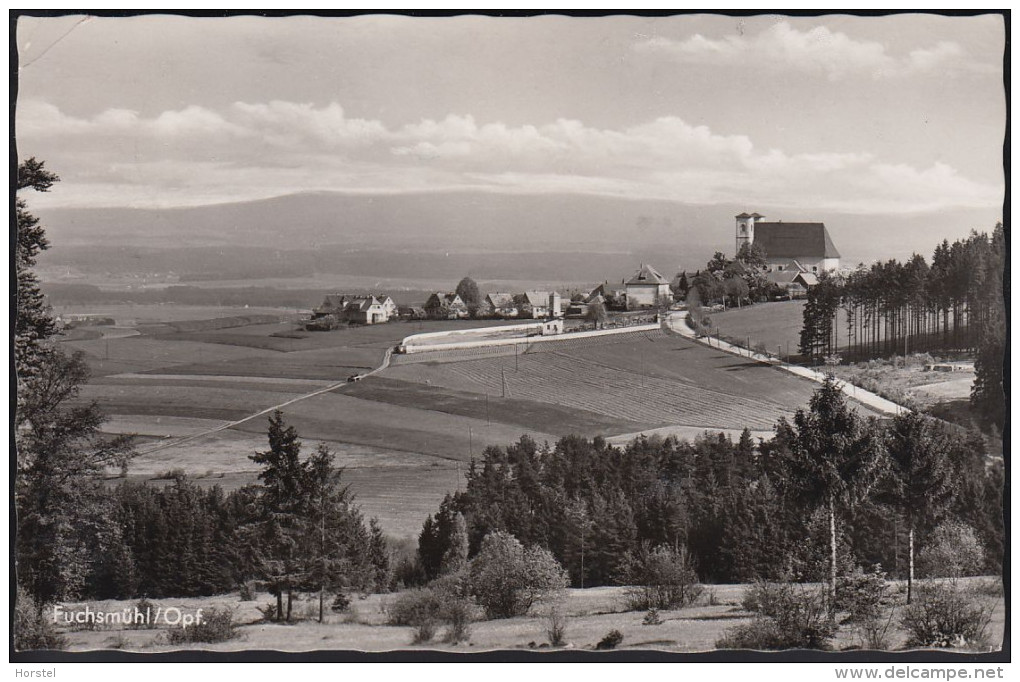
(818, 50)
(255, 150)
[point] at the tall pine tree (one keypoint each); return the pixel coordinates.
(65, 521)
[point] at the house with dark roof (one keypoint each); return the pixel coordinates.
(648, 289)
(809, 244)
(445, 306)
(359, 309)
(792, 277)
(500, 304)
(612, 296)
(539, 304)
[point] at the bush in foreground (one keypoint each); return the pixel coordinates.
(217, 626)
(556, 628)
(32, 629)
(786, 618)
(507, 578)
(953, 550)
(427, 608)
(663, 578)
(946, 615)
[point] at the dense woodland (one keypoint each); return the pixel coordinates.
(956, 303)
(744, 510)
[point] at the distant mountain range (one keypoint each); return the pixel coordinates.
(454, 232)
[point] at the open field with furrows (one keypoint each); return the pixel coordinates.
(589, 615)
(648, 377)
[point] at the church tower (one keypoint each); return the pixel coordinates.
(745, 229)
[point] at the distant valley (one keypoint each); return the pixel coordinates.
(421, 241)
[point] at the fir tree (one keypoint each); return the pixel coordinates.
(836, 458)
(920, 474)
(64, 519)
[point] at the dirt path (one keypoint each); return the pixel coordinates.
(229, 425)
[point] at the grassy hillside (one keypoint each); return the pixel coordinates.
(776, 325)
(405, 432)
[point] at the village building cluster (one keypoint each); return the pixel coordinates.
(795, 255)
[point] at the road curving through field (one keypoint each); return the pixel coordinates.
(677, 323)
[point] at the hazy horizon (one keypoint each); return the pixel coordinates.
(888, 129)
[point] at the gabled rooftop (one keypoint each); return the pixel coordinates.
(647, 275)
(794, 240)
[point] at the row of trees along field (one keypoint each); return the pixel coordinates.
(830, 491)
(954, 304)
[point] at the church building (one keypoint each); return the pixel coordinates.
(805, 247)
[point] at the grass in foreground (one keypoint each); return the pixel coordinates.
(590, 615)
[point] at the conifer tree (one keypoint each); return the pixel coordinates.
(456, 555)
(63, 518)
(276, 532)
(920, 474)
(836, 458)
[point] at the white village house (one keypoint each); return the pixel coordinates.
(648, 289)
(359, 309)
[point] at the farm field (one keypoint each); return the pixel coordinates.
(653, 377)
(776, 325)
(590, 614)
(403, 432)
(130, 314)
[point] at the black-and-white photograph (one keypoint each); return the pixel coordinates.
(550, 335)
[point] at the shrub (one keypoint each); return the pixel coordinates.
(612, 640)
(117, 641)
(953, 550)
(341, 602)
(246, 592)
(458, 616)
(32, 629)
(426, 608)
(217, 626)
(652, 618)
(873, 632)
(860, 595)
(556, 627)
(507, 578)
(766, 598)
(663, 578)
(170, 475)
(415, 607)
(268, 612)
(149, 609)
(944, 615)
(786, 619)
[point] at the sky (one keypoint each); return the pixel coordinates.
(890, 115)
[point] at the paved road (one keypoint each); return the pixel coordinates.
(230, 425)
(677, 322)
